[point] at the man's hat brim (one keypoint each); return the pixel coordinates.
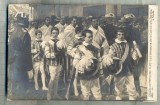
(114, 68)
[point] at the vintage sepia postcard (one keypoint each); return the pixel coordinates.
(82, 52)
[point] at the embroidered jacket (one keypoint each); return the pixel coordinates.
(117, 49)
(53, 53)
(37, 52)
(86, 61)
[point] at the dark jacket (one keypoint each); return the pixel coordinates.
(19, 50)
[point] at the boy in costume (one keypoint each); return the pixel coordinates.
(125, 55)
(86, 62)
(54, 62)
(37, 57)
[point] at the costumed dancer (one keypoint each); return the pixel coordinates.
(54, 61)
(86, 62)
(37, 58)
(119, 62)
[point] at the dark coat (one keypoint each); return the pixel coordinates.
(19, 54)
(110, 31)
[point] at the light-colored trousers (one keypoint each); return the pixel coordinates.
(38, 66)
(125, 81)
(55, 71)
(88, 86)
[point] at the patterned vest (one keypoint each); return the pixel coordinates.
(39, 55)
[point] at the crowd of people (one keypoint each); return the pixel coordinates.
(90, 51)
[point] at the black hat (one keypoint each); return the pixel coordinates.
(114, 68)
(91, 71)
(21, 19)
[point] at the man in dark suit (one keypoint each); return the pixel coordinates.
(19, 57)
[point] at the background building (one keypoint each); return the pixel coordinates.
(38, 11)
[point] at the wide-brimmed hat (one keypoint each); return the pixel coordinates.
(21, 18)
(114, 68)
(92, 70)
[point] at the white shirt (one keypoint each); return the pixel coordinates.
(68, 35)
(46, 32)
(99, 38)
(60, 27)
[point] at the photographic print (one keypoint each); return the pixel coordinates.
(82, 52)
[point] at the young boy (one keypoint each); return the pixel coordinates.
(38, 60)
(86, 62)
(120, 49)
(54, 62)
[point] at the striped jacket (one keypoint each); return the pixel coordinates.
(52, 49)
(37, 52)
(117, 49)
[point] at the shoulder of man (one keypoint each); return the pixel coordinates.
(57, 25)
(69, 27)
(96, 45)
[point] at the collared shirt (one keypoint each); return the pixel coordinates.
(119, 41)
(118, 48)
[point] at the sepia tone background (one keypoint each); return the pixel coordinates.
(3, 14)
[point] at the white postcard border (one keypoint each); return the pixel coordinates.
(152, 53)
